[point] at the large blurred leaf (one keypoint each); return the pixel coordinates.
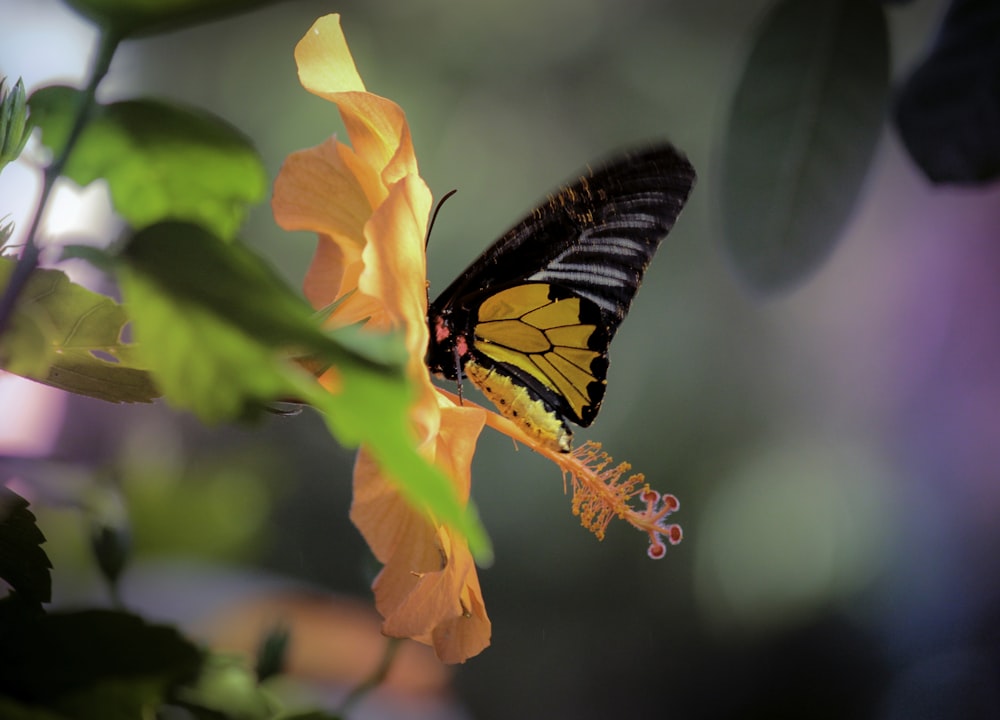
(93, 665)
(192, 265)
(68, 337)
(23, 564)
(803, 126)
(201, 362)
(948, 111)
(216, 327)
(161, 160)
(125, 18)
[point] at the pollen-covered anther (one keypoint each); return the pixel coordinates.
(600, 493)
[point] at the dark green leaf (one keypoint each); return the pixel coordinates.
(111, 548)
(110, 532)
(803, 127)
(6, 230)
(272, 654)
(161, 160)
(11, 710)
(130, 18)
(948, 112)
(23, 564)
(94, 664)
(71, 338)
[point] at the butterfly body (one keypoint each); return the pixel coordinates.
(531, 320)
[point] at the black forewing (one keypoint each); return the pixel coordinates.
(594, 238)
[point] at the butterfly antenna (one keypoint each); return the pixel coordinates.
(437, 209)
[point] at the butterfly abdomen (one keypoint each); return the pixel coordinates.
(516, 403)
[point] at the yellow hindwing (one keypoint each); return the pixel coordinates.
(543, 337)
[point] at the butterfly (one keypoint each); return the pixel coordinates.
(530, 321)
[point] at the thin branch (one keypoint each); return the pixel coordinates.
(107, 44)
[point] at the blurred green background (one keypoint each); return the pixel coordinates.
(836, 450)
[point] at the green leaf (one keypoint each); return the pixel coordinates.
(98, 257)
(803, 127)
(23, 564)
(218, 329)
(94, 664)
(130, 18)
(15, 126)
(192, 265)
(201, 362)
(948, 111)
(161, 160)
(227, 686)
(68, 337)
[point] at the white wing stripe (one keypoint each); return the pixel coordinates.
(594, 279)
(602, 272)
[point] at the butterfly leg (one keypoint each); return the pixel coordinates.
(458, 373)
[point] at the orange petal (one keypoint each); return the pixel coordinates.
(376, 126)
(390, 526)
(431, 598)
(324, 61)
(316, 189)
(413, 603)
(428, 588)
(302, 201)
(395, 264)
(330, 274)
(388, 523)
(456, 442)
(443, 608)
(459, 638)
(328, 279)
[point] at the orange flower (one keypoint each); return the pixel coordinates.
(370, 209)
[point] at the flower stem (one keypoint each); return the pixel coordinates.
(107, 44)
(374, 680)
